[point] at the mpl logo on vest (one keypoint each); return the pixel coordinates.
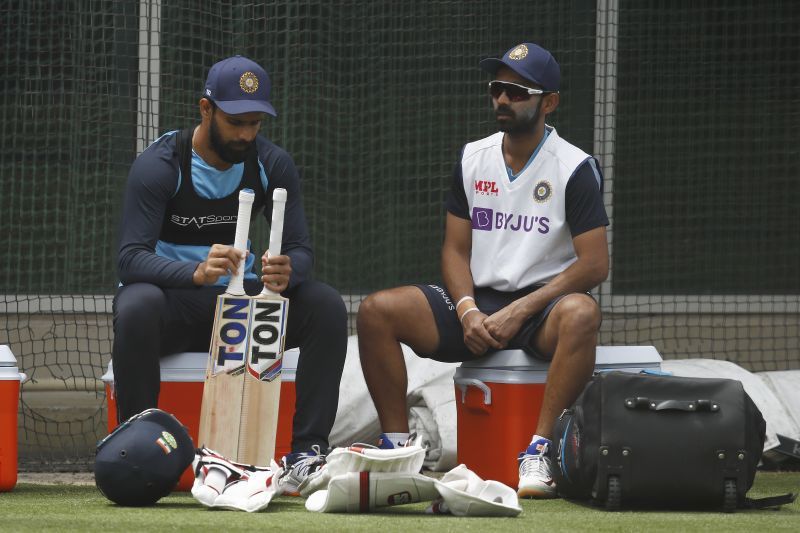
(486, 188)
(485, 219)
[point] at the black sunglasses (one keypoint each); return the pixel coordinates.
(514, 91)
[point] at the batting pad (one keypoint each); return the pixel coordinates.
(358, 458)
(365, 458)
(464, 493)
(361, 492)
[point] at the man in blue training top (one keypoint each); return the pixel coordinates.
(175, 256)
(525, 240)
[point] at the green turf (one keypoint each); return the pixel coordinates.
(81, 508)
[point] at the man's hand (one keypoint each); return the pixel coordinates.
(505, 323)
(221, 261)
(277, 271)
(477, 339)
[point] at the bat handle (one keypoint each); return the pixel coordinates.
(246, 197)
(276, 229)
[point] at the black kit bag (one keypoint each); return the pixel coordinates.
(638, 440)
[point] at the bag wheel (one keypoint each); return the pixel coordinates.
(614, 498)
(730, 501)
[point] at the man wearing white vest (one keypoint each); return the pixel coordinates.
(525, 241)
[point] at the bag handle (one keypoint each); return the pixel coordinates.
(641, 402)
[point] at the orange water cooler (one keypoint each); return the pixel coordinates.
(498, 399)
(182, 377)
(10, 379)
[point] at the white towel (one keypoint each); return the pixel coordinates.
(433, 417)
(786, 386)
(771, 408)
(430, 400)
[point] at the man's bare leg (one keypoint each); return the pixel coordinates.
(570, 334)
(385, 319)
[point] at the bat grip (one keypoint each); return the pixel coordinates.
(276, 229)
(246, 197)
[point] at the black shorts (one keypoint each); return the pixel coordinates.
(451, 336)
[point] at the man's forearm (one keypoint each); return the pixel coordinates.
(581, 276)
(457, 275)
(140, 265)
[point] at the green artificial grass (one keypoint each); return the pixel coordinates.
(31, 507)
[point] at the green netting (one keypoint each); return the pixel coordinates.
(374, 100)
(706, 167)
(689, 106)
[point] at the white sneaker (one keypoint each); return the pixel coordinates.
(298, 467)
(535, 479)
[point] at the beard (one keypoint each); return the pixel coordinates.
(230, 152)
(510, 122)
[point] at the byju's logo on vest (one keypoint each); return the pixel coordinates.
(485, 219)
(482, 218)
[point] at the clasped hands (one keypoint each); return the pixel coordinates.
(224, 260)
(483, 332)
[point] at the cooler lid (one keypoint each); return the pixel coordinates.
(8, 366)
(6, 356)
(494, 375)
(181, 367)
(184, 367)
(628, 356)
(191, 367)
(289, 370)
(607, 357)
(507, 360)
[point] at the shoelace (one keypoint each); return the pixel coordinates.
(308, 463)
(531, 464)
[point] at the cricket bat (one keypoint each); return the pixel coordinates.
(238, 417)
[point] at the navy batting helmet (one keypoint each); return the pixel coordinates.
(141, 461)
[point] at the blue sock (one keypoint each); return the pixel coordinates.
(538, 446)
(388, 441)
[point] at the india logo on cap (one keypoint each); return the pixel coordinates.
(518, 53)
(167, 442)
(248, 82)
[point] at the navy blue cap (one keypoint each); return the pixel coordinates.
(239, 85)
(530, 61)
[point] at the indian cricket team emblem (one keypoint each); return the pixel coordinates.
(248, 82)
(167, 442)
(169, 438)
(518, 53)
(542, 191)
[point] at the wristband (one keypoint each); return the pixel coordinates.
(462, 300)
(468, 311)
